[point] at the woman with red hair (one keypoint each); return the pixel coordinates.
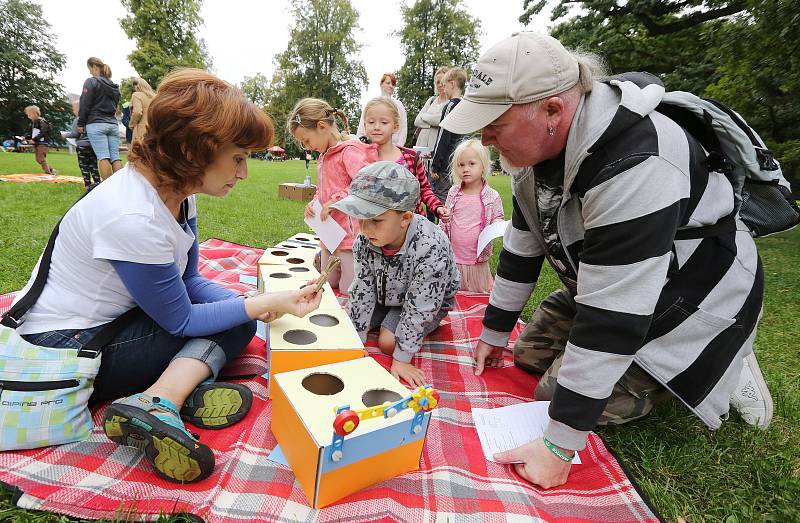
(130, 246)
(388, 85)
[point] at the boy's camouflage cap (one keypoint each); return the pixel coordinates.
(380, 187)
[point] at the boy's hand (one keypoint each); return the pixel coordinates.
(408, 372)
(444, 213)
(487, 356)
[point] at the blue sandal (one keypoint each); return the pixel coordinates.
(153, 425)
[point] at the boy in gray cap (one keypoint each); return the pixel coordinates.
(406, 277)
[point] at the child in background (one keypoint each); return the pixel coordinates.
(406, 278)
(313, 123)
(454, 81)
(381, 121)
(39, 135)
(87, 160)
(473, 205)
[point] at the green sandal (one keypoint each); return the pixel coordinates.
(153, 425)
(215, 405)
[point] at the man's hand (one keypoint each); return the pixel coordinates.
(487, 356)
(444, 213)
(412, 375)
(536, 464)
(435, 177)
(81, 130)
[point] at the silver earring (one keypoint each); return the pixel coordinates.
(551, 131)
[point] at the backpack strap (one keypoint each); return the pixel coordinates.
(13, 317)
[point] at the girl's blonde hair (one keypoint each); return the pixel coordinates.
(309, 111)
(483, 156)
(105, 70)
(33, 109)
(386, 102)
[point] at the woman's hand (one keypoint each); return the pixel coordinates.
(408, 372)
(444, 213)
(297, 303)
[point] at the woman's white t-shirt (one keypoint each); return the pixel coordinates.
(122, 219)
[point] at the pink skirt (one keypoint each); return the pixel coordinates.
(476, 278)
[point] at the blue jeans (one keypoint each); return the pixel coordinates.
(104, 138)
(138, 355)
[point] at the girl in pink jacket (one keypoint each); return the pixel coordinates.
(313, 123)
(472, 206)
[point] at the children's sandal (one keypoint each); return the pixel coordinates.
(153, 425)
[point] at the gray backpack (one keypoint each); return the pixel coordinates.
(763, 197)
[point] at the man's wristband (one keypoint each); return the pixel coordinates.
(557, 451)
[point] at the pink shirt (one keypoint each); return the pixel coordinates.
(465, 226)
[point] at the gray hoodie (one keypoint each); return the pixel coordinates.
(422, 279)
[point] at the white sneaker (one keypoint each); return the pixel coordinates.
(751, 396)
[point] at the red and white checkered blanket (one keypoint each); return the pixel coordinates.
(98, 479)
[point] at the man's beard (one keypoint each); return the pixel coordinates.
(505, 164)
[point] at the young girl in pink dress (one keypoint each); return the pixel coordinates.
(472, 206)
(312, 122)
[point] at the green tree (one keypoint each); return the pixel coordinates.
(164, 32)
(28, 65)
(256, 88)
(320, 62)
(434, 33)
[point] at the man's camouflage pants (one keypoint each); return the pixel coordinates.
(540, 349)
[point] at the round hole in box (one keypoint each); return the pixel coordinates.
(294, 260)
(308, 247)
(279, 253)
(324, 320)
(300, 337)
(323, 384)
(280, 275)
(375, 397)
(299, 269)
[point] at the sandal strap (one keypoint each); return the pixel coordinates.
(159, 407)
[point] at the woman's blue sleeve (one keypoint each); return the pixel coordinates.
(160, 291)
(199, 288)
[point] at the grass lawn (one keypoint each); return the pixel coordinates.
(734, 475)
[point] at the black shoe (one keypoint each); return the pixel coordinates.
(216, 405)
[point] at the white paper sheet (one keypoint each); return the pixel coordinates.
(329, 232)
(34, 133)
(507, 428)
(491, 232)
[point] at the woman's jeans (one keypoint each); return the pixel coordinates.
(104, 138)
(138, 355)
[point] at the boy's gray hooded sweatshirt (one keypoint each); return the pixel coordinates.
(422, 279)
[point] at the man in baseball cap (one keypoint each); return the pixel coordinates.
(406, 275)
(601, 183)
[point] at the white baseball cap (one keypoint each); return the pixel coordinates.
(520, 69)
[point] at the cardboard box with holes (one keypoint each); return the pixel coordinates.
(348, 425)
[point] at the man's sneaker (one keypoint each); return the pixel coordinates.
(751, 396)
(153, 425)
(217, 405)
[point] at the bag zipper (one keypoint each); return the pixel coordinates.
(28, 386)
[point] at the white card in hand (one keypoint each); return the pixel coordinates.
(329, 232)
(491, 232)
(507, 428)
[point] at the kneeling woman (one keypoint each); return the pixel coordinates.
(132, 242)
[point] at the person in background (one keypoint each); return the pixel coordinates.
(473, 206)
(428, 118)
(140, 101)
(98, 107)
(308, 158)
(406, 278)
(39, 134)
(454, 81)
(388, 85)
(87, 161)
(381, 121)
(132, 242)
(312, 122)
